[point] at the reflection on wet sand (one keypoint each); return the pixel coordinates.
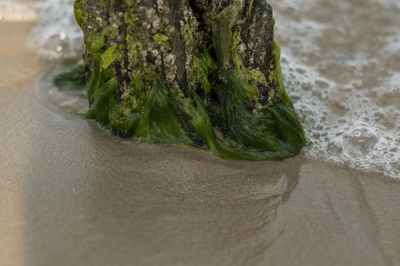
(154, 205)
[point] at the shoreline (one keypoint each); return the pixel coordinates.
(70, 194)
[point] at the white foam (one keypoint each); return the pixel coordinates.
(351, 117)
(56, 33)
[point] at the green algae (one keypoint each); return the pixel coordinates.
(159, 37)
(157, 122)
(123, 117)
(73, 79)
(108, 57)
(202, 67)
(104, 100)
(276, 77)
(152, 111)
(80, 15)
(130, 19)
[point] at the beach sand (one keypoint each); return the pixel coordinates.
(71, 194)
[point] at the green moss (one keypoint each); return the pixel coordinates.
(148, 110)
(157, 122)
(159, 37)
(124, 117)
(276, 75)
(108, 57)
(250, 8)
(223, 35)
(135, 47)
(204, 126)
(96, 41)
(80, 15)
(201, 68)
(187, 36)
(274, 133)
(240, 86)
(130, 19)
(73, 79)
(111, 55)
(104, 100)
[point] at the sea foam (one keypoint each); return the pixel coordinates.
(341, 65)
(340, 62)
(56, 34)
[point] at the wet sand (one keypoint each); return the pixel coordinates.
(71, 194)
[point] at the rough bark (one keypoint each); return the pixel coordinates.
(196, 72)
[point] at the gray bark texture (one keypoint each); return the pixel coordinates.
(188, 26)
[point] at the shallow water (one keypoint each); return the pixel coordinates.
(342, 68)
(341, 64)
(56, 34)
(71, 194)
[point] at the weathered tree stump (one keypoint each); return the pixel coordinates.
(198, 72)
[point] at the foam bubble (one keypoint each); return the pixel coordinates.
(348, 56)
(340, 62)
(335, 147)
(359, 142)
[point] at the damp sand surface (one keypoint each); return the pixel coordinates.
(71, 194)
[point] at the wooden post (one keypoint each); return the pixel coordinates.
(197, 72)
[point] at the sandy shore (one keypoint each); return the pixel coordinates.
(70, 194)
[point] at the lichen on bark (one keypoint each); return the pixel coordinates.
(204, 73)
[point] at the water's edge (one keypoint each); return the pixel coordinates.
(340, 62)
